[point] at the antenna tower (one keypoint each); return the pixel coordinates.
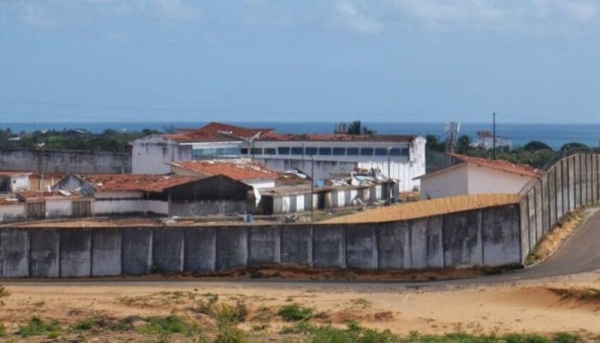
(452, 129)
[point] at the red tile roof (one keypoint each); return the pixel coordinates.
(521, 169)
(30, 195)
(134, 182)
(216, 132)
(319, 137)
(234, 169)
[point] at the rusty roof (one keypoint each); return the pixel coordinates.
(31, 195)
(13, 173)
(336, 137)
(134, 182)
(216, 132)
(521, 169)
(241, 169)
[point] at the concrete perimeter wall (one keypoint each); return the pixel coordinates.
(487, 237)
(570, 183)
(65, 161)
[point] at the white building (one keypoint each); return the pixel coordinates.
(399, 157)
(485, 140)
(473, 175)
(12, 182)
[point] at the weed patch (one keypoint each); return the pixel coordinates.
(167, 325)
(586, 295)
(295, 312)
(38, 327)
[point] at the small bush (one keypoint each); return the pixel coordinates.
(300, 327)
(167, 325)
(295, 312)
(3, 330)
(87, 324)
(37, 327)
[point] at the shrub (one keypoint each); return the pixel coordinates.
(295, 312)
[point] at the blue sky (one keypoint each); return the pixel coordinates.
(310, 60)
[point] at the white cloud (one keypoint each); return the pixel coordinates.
(350, 16)
(582, 12)
(38, 16)
(174, 10)
(261, 12)
(516, 15)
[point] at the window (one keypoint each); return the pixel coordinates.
(324, 151)
(366, 151)
(297, 151)
(352, 151)
(404, 152)
(310, 151)
(395, 152)
(270, 151)
(381, 152)
(244, 151)
(283, 150)
(339, 151)
(256, 151)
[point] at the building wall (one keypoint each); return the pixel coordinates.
(486, 181)
(58, 208)
(124, 206)
(446, 184)
(19, 183)
(150, 155)
(65, 161)
(12, 213)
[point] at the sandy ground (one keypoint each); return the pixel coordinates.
(528, 307)
(425, 208)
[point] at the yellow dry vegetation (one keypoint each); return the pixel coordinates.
(427, 208)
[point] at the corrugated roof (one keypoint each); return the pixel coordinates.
(134, 182)
(216, 132)
(242, 169)
(521, 169)
(337, 137)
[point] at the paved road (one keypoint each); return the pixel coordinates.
(581, 253)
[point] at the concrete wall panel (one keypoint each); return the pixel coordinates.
(167, 250)
(232, 247)
(75, 253)
(329, 246)
(552, 197)
(44, 254)
(14, 253)
(566, 186)
(361, 246)
(500, 236)
(545, 205)
(559, 191)
(200, 249)
(524, 235)
(394, 245)
(435, 242)
(419, 247)
(462, 239)
(264, 245)
(137, 251)
(532, 224)
(106, 252)
(539, 211)
(573, 191)
(296, 245)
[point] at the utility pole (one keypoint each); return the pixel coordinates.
(494, 135)
(312, 188)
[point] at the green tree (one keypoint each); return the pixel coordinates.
(356, 128)
(463, 144)
(434, 143)
(573, 145)
(536, 145)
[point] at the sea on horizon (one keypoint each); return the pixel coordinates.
(555, 135)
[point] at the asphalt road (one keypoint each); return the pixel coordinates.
(579, 254)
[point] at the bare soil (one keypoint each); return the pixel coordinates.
(534, 307)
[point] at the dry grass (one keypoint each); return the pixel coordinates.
(428, 208)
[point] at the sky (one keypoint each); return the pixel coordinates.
(530, 61)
